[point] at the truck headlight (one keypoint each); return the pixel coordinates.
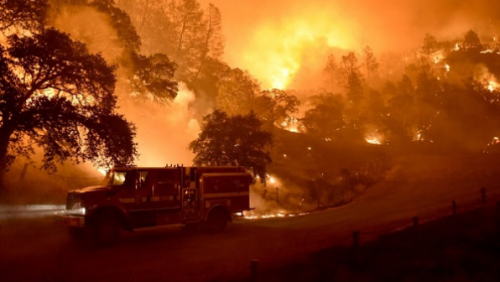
(78, 209)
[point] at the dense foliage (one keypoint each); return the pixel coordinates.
(57, 96)
(233, 140)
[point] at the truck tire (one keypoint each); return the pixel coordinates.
(216, 221)
(106, 229)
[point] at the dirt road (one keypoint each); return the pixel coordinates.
(34, 249)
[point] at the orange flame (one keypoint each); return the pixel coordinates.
(277, 50)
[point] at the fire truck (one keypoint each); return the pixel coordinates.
(132, 198)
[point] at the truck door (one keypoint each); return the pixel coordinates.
(137, 198)
(166, 195)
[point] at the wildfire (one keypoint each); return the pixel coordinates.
(492, 85)
(438, 56)
(271, 179)
(291, 124)
(281, 80)
(277, 50)
(418, 136)
(487, 51)
(447, 67)
(374, 138)
(374, 141)
(280, 214)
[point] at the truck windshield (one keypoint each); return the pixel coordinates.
(120, 178)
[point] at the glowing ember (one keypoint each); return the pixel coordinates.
(291, 124)
(457, 47)
(418, 136)
(492, 85)
(438, 56)
(272, 180)
(447, 67)
(374, 138)
(487, 51)
(280, 214)
(374, 141)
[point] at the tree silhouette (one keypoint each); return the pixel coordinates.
(325, 119)
(147, 77)
(471, 40)
(370, 63)
(430, 45)
(275, 106)
(331, 72)
(236, 92)
(233, 140)
(191, 35)
(57, 96)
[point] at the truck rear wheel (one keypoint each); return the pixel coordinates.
(106, 229)
(217, 220)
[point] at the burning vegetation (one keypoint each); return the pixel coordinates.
(311, 93)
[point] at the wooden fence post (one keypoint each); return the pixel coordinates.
(483, 195)
(254, 270)
(497, 215)
(415, 226)
(355, 240)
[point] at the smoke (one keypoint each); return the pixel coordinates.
(92, 28)
(277, 39)
(278, 196)
(164, 131)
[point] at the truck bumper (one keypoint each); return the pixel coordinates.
(69, 220)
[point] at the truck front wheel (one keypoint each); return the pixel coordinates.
(106, 229)
(217, 220)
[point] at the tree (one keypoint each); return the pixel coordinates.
(148, 77)
(331, 72)
(27, 15)
(213, 42)
(402, 110)
(355, 88)
(190, 34)
(236, 92)
(325, 119)
(57, 96)
(233, 140)
(471, 40)
(430, 45)
(275, 106)
(370, 63)
(351, 78)
(349, 65)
